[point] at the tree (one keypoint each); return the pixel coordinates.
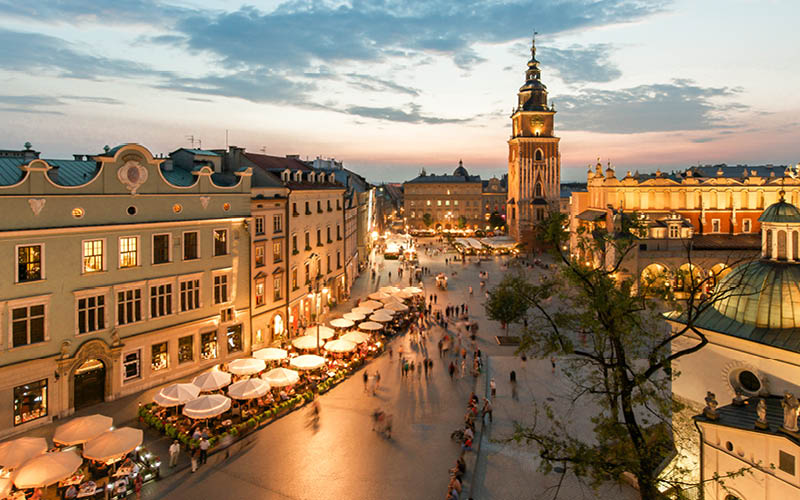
(427, 219)
(618, 353)
(462, 222)
(496, 220)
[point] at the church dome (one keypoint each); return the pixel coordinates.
(762, 294)
(460, 170)
(781, 212)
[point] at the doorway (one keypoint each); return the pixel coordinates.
(90, 384)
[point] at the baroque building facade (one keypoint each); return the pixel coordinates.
(534, 159)
(122, 272)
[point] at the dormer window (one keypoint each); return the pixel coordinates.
(285, 175)
(331, 178)
(674, 231)
(298, 176)
(311, 177)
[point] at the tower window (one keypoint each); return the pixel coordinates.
(538, 156)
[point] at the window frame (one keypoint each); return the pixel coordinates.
(153, 249)
(262, 295)
(228, 330)
(747, 226)
(27, 303)
(228, 286)
(191, 358)
(277, 224)
(142, 287)
(277, 288)
(137, 251)
(259, 220)
(214, 242)
(93, 292)
(42, 275)
(718, 230)
(215, 333)
(198, 277)
(168, 300)
(262, 246)
(43, 384)
(277, 251)
(196, 242)
(103, 255)
(166, 366)
(125, 363)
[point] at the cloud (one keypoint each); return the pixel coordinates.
(679, 105)
(40, 104)
(367, 82)
(91, 11)
(398, 115)
(253, 86)
(581, 63)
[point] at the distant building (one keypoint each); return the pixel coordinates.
(123, 272)
(534, 160)
(444, 201)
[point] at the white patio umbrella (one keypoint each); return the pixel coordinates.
(246, 366)
(47, 469)
(362, 310)
(176, 395)
(207, 406)
(212, 381)
(340, 346)
(385, 312)
(5, 486)
(270, 354)
(307, 342)
(389, 289)
(378, 295)
(412, 289)
(371, 326)
(113, 444)
(307, 362)
(371, 304)
(403, 295)
(353, 316)
(81, 429)
(391, 300)
(342, 323)
(15, 453)
(325, 332)
(395, 306)
(355, 337)
(248, 389)
(380, 318)
(281, 377)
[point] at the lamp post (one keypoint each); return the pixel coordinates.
(313, 293)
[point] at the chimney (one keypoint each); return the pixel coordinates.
(78, 157)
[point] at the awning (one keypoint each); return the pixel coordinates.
(592, 215)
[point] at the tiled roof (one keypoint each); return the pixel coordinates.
(178, 176)
(203, 152)
(10, 172)
(276, 163)
(431, 179)
(726, 242)
(73, 172)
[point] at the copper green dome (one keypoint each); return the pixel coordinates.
(762, 294)
(781, 212)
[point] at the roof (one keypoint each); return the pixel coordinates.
(726, 242)
(781, 211)
(276, 163)
(178, 176)
(744, 417)
(433, 178)
(72, 172)
(592, 215)
(10, 173)
(203, 152)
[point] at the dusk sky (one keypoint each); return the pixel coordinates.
(390, 86)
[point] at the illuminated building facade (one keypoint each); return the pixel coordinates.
(534, 160)
(444, 201)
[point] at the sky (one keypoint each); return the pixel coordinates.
(392, 86)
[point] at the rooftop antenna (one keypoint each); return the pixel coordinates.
(226, 139)
(191, 139)
(263, 149)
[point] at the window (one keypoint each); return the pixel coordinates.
(29, 263)
(294, 209)
(786, 462)
(220, 242)
(329, 235)
(190, 294)
(329, 206)
(276, 288)
(328, 263)
(308, 240)
(319, 237)
(715, 226)
(259, 257)
(220, 288)
(674, 231)
(131, 365)
(455, 202)
(447, 203)
(91, 313)
(308, 271)
(276, 224)
(308, 209)
(338, 260)
(27, 325)
(160, 300)
(746, 225)
(93, 260)
(186, 349)
(294, 278)
(128, 251)
(208, 345)
(339, 231)
(161, 248)
(338, 204)
(439, 203)
(160, 358)
(259, 292)
(30, 402)
(190, 249)
(234, 338)
(429, 203)
(129, 306)
(259, 225)
(749, 381)
(277, 252)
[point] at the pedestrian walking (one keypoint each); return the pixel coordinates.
(463, 368)
(487, 409)
(377, 382)
(204, 446)
(493, 388)
(366, 380)
(553, 363)
(195, 459)
(425, 364)
(513, 378)
(174, 450)
(452, 370)
(137, 486)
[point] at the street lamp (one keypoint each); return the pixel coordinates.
(314, 289)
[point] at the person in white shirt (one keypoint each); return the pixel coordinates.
(174, 450)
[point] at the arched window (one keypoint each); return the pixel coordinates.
(768, 250)
(794, 245)
(781, 245)
(537, 191)
(538, 155)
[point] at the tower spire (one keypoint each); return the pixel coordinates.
(533, 94)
